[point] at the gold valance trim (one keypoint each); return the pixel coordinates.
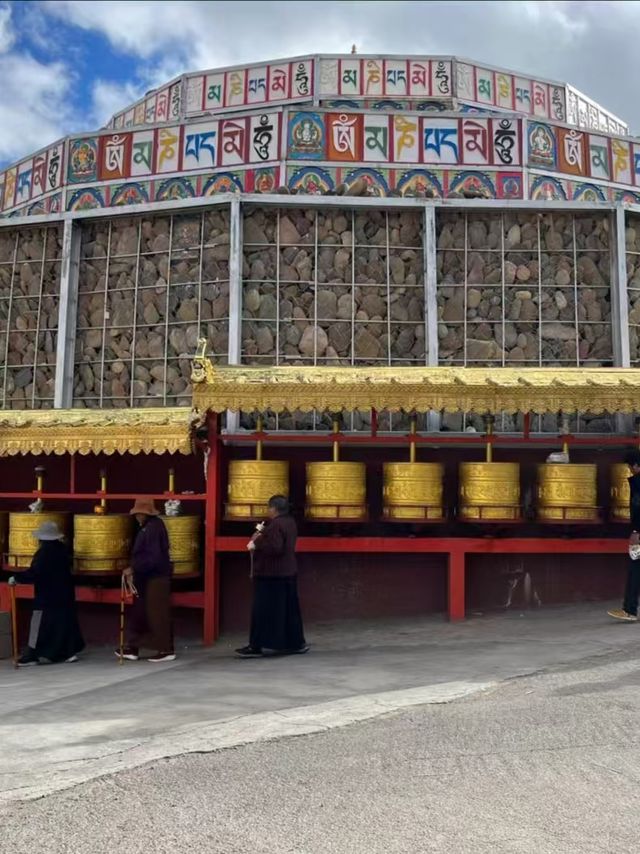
(64, 431)
(480, 390)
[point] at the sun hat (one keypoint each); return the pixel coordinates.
(144, 506)
(48, 531)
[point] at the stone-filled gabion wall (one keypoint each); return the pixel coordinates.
(149, 287)
(523, 289)
(30, 262)
(333, 287)
(632, 241)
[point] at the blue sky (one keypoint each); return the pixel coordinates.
(67, 65)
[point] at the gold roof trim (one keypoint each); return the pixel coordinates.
(95, 431)
(480, 390)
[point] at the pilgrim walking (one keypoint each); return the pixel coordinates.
(150, 572)
(629, 611)
(54, 634)
(276, 622)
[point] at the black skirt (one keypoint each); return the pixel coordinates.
(55, 633)
(276, 621)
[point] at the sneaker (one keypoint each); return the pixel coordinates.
(619, 614)
(28, 660)
(162, 656)
(249, 652)
(128, 653)
(71, 660)
(301, 651)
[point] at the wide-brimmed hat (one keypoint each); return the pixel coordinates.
(144, 506)
(48, 531)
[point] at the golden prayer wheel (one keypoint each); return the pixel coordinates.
(101, 543)
(336, 491)
(184, 543)
(620, 492)
(22, 545)
(253, 482)
(567, 492)
(251, 485)
(412, 491)
(489, 491)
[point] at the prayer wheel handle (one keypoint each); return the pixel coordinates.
(564, 431)
(488, 422)
(335, 429)
(103, 491)
(413, 430)
(40, 473)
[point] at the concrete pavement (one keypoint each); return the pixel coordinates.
(540, 765)
(66, 724)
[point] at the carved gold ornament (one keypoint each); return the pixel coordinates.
(480, 390)
(65, 431)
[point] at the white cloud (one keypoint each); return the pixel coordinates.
(34, 109)
(7, 33)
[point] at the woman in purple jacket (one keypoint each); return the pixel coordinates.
(150, 571)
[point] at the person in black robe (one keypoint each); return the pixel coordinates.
(629, 611)
(276, 622)
(54, 634)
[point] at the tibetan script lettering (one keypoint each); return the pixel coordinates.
(374, 76)
(39, 166)
(418, 75)
(262, 138)
(435, 139)
(279, 81)
(167, 141)
(54, 168)
(233, 139)
(343, 135)
(302, 79)
(196, 143)
(442, 77)
(214, 93)
(162, 107)
(504, 141)
(476, 139)
(376, 139)
(114, 154)
(142, 152)
(573, 149)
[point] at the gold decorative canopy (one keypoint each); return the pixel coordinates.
(480, 390)
(83, 431)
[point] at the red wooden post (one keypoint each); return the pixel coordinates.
(211, 556)
(456, 583)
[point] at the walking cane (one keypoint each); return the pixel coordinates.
(14, 622)
(127, 589)
(122, 595)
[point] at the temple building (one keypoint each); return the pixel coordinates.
(404, 291)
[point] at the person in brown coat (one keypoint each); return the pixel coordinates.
(276, 622)
(150, 572)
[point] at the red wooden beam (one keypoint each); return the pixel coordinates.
(444, 545)
(107, 595)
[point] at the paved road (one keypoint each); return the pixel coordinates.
(68, 724)
(546, 764)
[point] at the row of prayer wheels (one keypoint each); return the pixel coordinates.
(413, 491)
(102, 541)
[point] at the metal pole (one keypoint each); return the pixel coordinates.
(235, 297)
